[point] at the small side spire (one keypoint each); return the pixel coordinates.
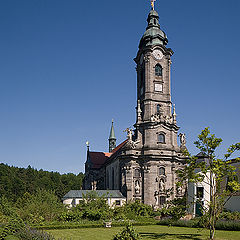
(112, 133)
(88, 144)
(112, 138)
(139, 112)
(174, 114)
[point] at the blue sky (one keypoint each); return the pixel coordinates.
(67, 69)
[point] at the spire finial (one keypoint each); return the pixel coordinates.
(87, 143)
(174, 115)
(152, 4)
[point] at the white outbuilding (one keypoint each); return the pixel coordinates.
(113, 197)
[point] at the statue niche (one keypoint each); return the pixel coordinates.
(162, 185)
(137, 187)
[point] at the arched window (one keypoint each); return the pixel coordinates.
(162, 200)
(158, 70)
(142, 78)
(158, 108)
(107, 180)
(161, 138)
(112, 178)
(161, 171)
(137, 173)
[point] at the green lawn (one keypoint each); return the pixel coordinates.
(147, 232)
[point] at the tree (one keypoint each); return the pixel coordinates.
(43, 205)
(213, 173)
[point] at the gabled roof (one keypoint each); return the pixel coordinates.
(97, 159)
(116, 151)
(100, 193)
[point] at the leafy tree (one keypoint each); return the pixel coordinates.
(94, 207)
(212, 172)
(41, 206)
(14, 182)
(175, 209)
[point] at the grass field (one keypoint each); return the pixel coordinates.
(147, 232)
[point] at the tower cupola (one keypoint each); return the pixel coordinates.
(153, 34)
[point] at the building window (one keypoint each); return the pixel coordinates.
(158, 108)
(161, 138)
(107, 179)
(158, 70)
(112, 178)
(162, 171)
(118, 202)
(142, 78)
(200, 191)
(162, 200)
(137, 173)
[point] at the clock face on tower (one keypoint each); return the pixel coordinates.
(158, 54)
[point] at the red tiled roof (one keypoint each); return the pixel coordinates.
(116, 150)
(118, 147)
(98, 158)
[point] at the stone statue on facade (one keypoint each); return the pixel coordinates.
(156, 198)
(182, 139)
(161, 185)
(129, 133)
(131, 144)
(94, 185)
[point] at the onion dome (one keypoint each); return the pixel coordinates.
(153, 34)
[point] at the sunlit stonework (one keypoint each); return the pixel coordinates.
(144, 166)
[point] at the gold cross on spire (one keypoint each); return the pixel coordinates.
(152, 4)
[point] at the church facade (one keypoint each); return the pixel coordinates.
(144, 166)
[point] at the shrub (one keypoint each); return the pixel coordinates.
(139, 209)
(128, 233)
(70, 216)
(14, 226)
(234, 216)
(6, 208)
(92, 207)
(175, 209)
(11, 237)
(29, 234)
(228, 225)
(133, 210)
(199, 223)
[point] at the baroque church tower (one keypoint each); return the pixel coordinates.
(152, 154)
(144, 166)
